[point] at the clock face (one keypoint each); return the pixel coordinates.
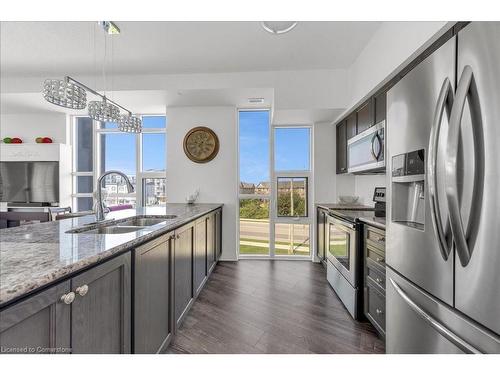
(201, 144)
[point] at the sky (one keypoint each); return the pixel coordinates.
(120, 148)
(292, 147)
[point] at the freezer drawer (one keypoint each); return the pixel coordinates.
(416, 322)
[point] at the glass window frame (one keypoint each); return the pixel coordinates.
(96, 139)
(272, 196)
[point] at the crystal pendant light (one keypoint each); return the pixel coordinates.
(104, 111)
(130, 124)
(64, 93)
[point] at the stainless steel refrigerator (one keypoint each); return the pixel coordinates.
(443, 188)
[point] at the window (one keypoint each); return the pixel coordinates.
(254, 226)
(291, 149)
(292, 196)
(275, 174)
(292, 177)
(254, 186)
(292, 239)
(154, 192)
(83, 164)
(142, 157)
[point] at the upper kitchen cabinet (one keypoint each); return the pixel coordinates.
(351, 127)
(380, 106)
(365, 116)
(342, 147)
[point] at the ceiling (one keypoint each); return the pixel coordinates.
(70, 48)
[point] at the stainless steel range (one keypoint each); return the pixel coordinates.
(344, 257)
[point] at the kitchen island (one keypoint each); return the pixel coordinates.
(57, 279)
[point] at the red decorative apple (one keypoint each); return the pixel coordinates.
(16, 140)
(46, 140)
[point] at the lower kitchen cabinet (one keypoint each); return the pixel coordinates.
(39, 324)
(101, 311)
(199, 255)
(218, 233)
(92, 311)
(374, 277)
(183, 272)
(88, 314)
(211, 245)
(153, 323)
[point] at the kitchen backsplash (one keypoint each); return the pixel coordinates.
(360, 185)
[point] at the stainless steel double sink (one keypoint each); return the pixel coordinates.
(132, 224)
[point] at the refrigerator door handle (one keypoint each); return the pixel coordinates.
(438, 326)
(466, 89)
(445, 101)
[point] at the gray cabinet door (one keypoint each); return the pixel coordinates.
(200, 255)
(211, 253)
(218, 233)
(152, 296)
(101, 318)
(39, 324)
(183, 272)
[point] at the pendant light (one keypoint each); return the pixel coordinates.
(64, 93)
(70, 93)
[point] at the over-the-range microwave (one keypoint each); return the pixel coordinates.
(366, 151)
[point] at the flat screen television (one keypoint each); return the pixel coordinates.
(29, 182)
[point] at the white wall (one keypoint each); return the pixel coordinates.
(29, 126)
(391, 45)
(324, 163)
(217, 179)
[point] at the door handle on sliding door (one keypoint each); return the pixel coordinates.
(466, 90)
(445, 101)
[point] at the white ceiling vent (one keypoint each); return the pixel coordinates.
(256, 100)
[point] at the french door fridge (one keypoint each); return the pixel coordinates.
(443, 225)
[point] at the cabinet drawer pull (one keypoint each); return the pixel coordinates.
(68, 298)
(380, 260)
(178, 236)
(82, 290)
(379, 311)
(378, 280)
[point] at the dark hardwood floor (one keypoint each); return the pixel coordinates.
(258, 306)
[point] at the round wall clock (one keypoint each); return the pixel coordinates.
(201, 144)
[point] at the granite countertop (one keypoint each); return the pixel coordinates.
(378, 222)
(36, 255)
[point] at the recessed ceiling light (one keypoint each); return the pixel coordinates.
(255, 100)
(110, 27)
(278, 27)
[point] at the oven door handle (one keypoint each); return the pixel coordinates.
(340, 222)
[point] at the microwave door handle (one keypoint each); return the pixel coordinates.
(445, 101)
(372, 149)
(466, 90)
